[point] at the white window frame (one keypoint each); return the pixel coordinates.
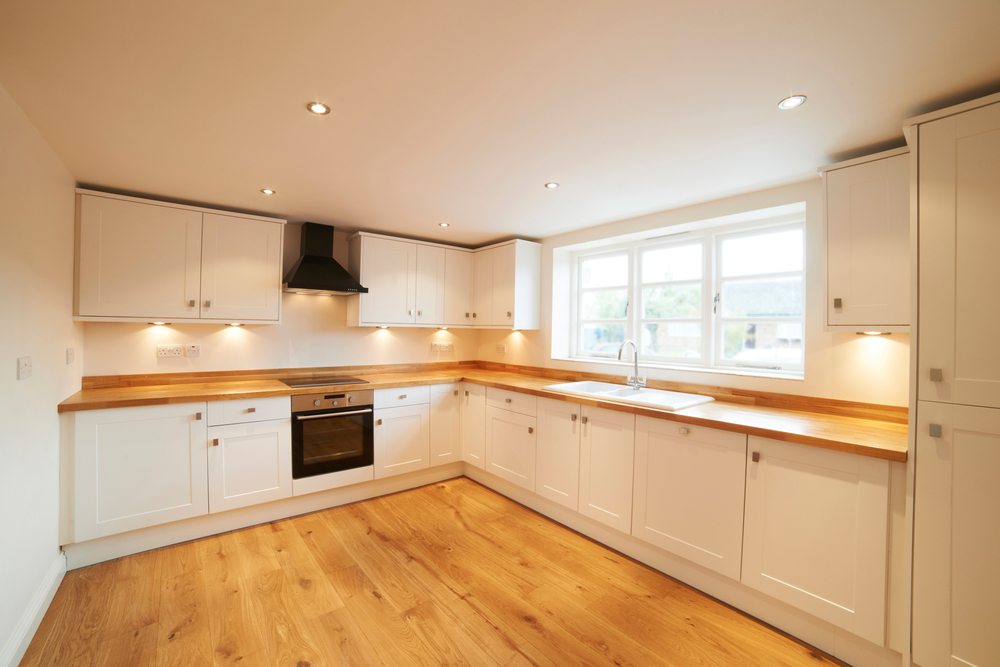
(711, 323)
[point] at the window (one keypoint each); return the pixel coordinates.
(721, 298)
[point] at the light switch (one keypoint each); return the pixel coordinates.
(192, 350)
(70, 355)
(501, 348)
(23, 368)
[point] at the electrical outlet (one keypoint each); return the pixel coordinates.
(169, 351)
(435, 347)
(447, 347)
(192, 350)
(501, 348)
(23, 367)
(70, 355)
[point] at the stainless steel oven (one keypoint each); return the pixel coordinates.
(332, 432)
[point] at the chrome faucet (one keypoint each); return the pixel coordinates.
(633, 380)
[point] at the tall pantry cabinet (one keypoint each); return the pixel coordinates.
(956, 440)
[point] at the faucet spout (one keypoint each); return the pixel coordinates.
(634, 380)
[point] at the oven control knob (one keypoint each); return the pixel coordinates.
(350, 399)
(335, 402)
(317, 402)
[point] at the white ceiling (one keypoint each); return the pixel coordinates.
(459, 111)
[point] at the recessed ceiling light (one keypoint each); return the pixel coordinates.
(267, 191)
(550, 186)
(792, 102)
(444, 224)
(318, 108)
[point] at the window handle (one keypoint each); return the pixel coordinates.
(715, 303)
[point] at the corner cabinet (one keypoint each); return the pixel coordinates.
(868, 243)
(419, 284)
(141, 260)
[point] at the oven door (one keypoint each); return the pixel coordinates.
(325, 441)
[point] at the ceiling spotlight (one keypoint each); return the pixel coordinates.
(318, 108)
(551, 186)
(267, 191)
(444, 224)
(792, 102)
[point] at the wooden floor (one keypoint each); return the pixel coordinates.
(447, 574)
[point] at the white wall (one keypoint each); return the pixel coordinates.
(36, 303)
(872, 369)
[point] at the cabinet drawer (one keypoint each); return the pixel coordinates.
(511, 400)
(400, 396)
(249, 410)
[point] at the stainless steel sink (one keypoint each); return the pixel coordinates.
(657, 399)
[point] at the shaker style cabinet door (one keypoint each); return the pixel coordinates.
(816, 532)
(607, 450)
(446, 423)
(458, 288)
(389, 271)
(138, 467)
(557, 475)
(249, 464)
(138, 260)
(959, 361)
(688, 497)
(240, 268)
(504, 258)
(510, 446)
(430, 290)
(474, 424)
(402, 440)
(482, 288)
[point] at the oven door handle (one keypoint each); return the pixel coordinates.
(332, 414)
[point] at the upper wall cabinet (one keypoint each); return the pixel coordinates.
(140, 260)
(411, 283)
(868, 243)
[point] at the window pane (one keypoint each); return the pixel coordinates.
(770, 343)
(604, 305)
(675, 263)
(672, 339)
(602, 338)
(766, 253)
(674, 301)
(604, 271)
(762, 298)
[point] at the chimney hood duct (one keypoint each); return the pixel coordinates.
(317, 272)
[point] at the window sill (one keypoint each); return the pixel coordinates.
(748, 372)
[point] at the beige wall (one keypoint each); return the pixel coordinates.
(845, 366)
(36, 290)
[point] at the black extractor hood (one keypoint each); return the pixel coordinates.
(317, 272)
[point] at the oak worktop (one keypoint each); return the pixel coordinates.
(867, 437)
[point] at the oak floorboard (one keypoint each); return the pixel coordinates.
(183, 633)
(131, 649)
(304, 578)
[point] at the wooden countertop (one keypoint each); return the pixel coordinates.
(867, 437)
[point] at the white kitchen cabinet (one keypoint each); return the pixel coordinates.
(445, 423)
(430, 285)
(504, 275)
(688, 495)
(402, 440)
(510, 446)
(458, 287)
(868, 242)
(388, 268)
(513, 272)
(959, 166)
(474, 424)
(141, 260)
(482, 288)
(956, 536)
(249, 463)
(816, 532)
(557, 463)
(240, 268)
(138, 467)
(607, 452)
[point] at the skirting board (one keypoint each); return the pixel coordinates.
(17, 644)
(814, 631)
(115, 546)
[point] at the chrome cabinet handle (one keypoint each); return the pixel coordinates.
(507, 400)
(572, 417)
(197, 416)
(402, 396)
(333, 414)
(473, 314)
(456, 392)
(683, 431)
(937, 375)
(508, 313)
(215, 443)
(191, 303)
(409, 312)
(584, 420)
(251, 409)
(531, 430)
(466, 314)
(755, 457)
(378, 423)
(466, 392)
(838, 303)
(208, 304)
(420, 312)
(935, 430)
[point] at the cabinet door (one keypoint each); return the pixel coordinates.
(688, 497)
(474, 424)
(816, 532)
(607, 448)
(482, 287)
(249, 464)
(956, 537)
(389, 271)
(430, 285)
(868, 243)
(240, 268)
(510, 446)
(138, 260)
(503, 284)
(138, 467)
(458, 288)
(959, 237)
(446, 423)
(557, 471)
(402, 440)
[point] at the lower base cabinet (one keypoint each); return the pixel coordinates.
(446, 423)
(510, 446)
(249, 464)
(688, 496)
(815, 532)
(402, 440)
(557, 465)
(474, 424)
(607, 449)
